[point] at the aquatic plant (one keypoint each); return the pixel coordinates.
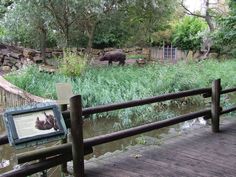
(104, 85)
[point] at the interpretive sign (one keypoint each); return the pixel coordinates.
(34, 125)
(64, 92)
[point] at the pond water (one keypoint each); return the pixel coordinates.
(99, 127)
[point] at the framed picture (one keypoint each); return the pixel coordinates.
(34, 125)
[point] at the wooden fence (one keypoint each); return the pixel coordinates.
(76, 150)
(12, 96)
(169, 54)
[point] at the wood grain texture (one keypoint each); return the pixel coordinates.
(198, 153)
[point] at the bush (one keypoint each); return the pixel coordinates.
(72, 64)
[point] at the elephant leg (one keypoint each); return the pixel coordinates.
(110, 62)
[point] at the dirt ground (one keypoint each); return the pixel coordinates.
(127, 61)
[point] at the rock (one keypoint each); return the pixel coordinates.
(14, 68)
(2, 46)
(9, 61)
(57, 54)
(18, 65)
(48, 55)
(6, 68)
(4, 51)
(29, 53)
(15, 55)
(37, 59)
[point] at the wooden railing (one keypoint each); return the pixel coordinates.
(79, 147)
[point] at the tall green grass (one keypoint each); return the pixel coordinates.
(104, 85)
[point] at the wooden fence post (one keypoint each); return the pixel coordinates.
(215, 105)
(77, 135)
(63, 107)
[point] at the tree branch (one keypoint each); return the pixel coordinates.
(189, 12)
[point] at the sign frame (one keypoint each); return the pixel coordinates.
(13, 125)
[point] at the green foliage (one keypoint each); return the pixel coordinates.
(4, 4)
(72, 64)
(73, 23)
(131, 82)
(35, 81)
(2, 31)
(145, 17)
(186, 33)
(225, 35)
(99, 86)
(157, 38)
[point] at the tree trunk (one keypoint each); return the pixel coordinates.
(90, 36)
(208, 17)
(43, 44)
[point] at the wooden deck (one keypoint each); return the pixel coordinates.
(198, 153)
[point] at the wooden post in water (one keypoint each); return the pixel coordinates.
(215, 105)
(77, 135)
(64, 92)
(63, 107)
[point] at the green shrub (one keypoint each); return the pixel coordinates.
(72, 64)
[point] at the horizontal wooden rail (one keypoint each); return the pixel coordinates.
(27, 170)
(116, 106)
(62, 153)
(110, 137)
(225, 111)
(143, 128)
(133, 103)
(228, 90)
(64, 149)
(228, 110)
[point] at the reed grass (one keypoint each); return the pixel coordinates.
(104, 85)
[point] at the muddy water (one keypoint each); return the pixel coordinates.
(99, 127)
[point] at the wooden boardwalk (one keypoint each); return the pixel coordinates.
(198, 153)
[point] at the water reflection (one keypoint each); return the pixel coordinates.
(6, 152)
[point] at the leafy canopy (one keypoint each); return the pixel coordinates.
(186, 33)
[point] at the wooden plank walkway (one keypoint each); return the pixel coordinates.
(196, 153)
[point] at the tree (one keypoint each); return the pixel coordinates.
(64, 13)
(144, 17)
(28, 23)
(4, 4)
(186, 34)
(225, 35)
(87, 22)
(210, 12)
(93, 13)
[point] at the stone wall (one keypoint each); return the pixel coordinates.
(13, 58)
